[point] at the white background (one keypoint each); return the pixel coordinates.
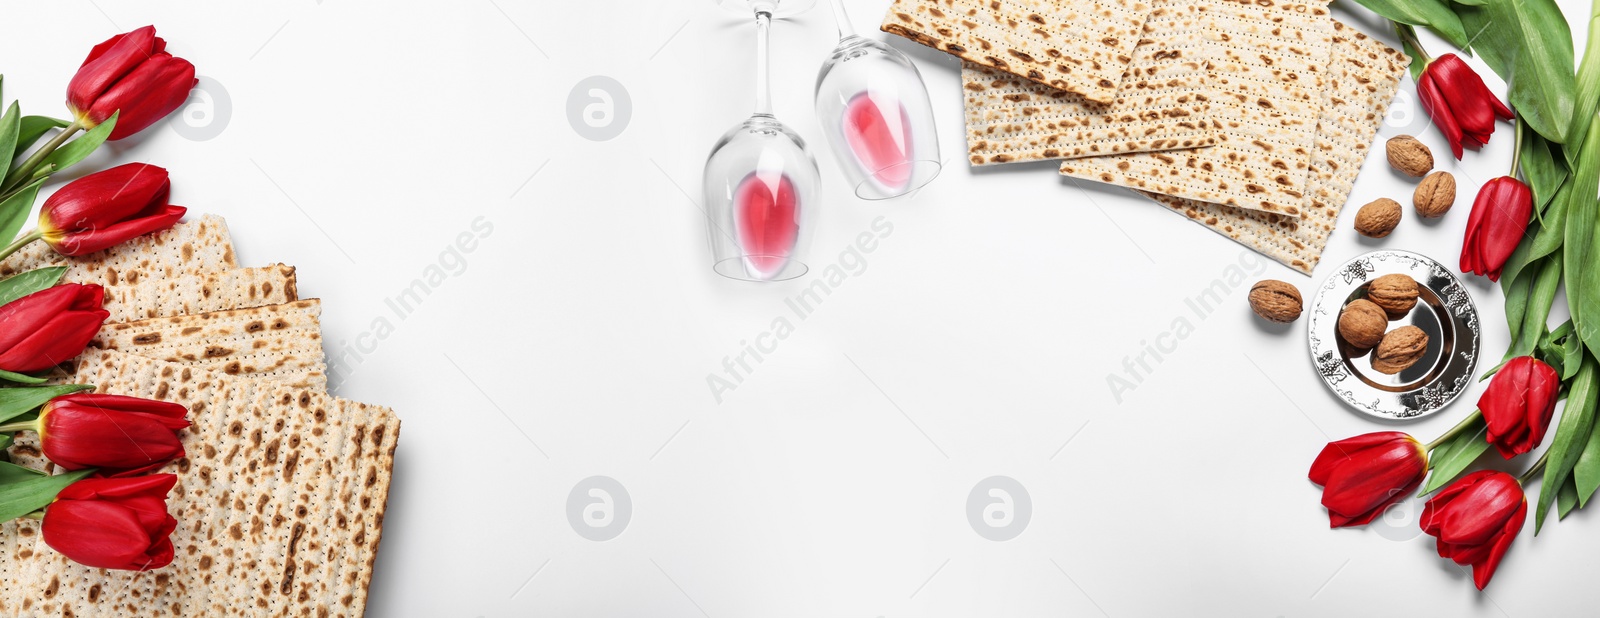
(363, 137)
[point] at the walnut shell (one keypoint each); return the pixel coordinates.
(1409, 156)
(1401, 348)
(1378, 218)
(1276, 301)
(1362, 324)
(1396, 294)
(1435, 195)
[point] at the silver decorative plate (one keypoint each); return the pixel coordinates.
(1444, 311)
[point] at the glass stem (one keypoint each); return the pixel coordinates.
(763, 81)
(842, 21)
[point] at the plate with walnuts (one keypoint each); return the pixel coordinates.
(1394, 334)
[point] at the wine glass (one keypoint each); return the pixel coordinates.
(760, 181)
(875, 113)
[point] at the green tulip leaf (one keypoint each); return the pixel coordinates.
(1542, 169)
(1456, 455)
(33, 128)
(1566, 498)
(23, 284)
(28, 495)
(1588, 88)
(80, 147)
(1517, 292)
(1434, 14)
(1571, 437)
(17, 401)
(14, 211)
(5, 441)
(1542, 295)
(1582, 244)
(1494, 43)
(1542, 82)
(11, 473)
(10, 129)
(21, 378)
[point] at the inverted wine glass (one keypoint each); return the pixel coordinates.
(876, 115)
(760, 181)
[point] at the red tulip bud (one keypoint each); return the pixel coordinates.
(132, 73)
(105, 208)
(1518, 405)
(49, 327)
(1495, 228)
(1475, 519)
(113, 523)
(1459, 102)
(123, 436)
(1363, 475)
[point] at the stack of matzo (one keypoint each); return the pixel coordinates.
(1249, 116)
(281, 497)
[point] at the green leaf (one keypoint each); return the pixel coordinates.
(1456, 455)
(1566, 499)
(1495, 44)
(11, 473)
(1517, 292)
(17, 401)
(10, 129)
(1586, 473)
(80, 147)
(1582, 244)
(21, 378)
(1588, 87)
(33, 128)
(29, 495)
(1542, 295)
(1542, 81)
(1570, 438)
(14, 211)
(1434, 14)
(1542, 169)
(23, 284)
(1417, 64)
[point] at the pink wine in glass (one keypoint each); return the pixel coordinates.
(766, 213)
(878, 131)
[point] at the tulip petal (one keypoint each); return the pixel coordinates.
(86, 242)
(105, 197)
(96, 534)
(58, 341)
(1438, 108)
(108, 63)
(1483, 571)
(146, 95)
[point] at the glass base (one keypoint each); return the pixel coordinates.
(760, 268)
(779, 8)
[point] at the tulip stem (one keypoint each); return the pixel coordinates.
(32, 425)
(1538, 467)
(1516, 148)
(24, 172)
(20, 243)
(1454, 431)
(1408, 35)
(36, 515)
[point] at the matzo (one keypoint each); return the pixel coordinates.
(1080, 46)
(229, 289)
(191, 247)
(1266, 80)
(1364, 74)
(1161, 104)
(278, 486)
(274, 342)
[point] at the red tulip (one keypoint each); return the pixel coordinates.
(1363, 475)
(113, 523)
(131, 73)
(1499, 219)
(1519, 403)
(1475, 519)
(1459, 102)
(123, 436)
(49, 327)
(105, 208)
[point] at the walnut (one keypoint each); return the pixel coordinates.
(1276, 301)
(1409, 156)
(1396, 294)
(1399, 349)
(1362, 323)
(1378, 218)
(1435, 195)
